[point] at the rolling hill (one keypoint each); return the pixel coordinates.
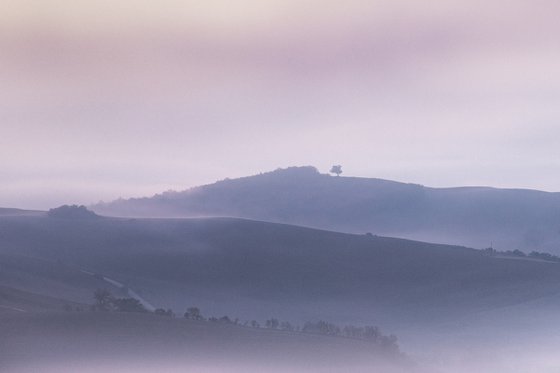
(471, 216)
(258, 270)
(431, 296)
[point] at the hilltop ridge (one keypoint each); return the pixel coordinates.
(471, 216)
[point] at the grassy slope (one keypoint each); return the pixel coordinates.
(258, 270)
(15, 301)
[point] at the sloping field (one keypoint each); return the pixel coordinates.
(259, 270)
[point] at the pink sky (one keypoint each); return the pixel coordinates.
(128, 98)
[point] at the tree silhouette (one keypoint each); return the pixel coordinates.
(128, 305)
(193, 313)
(272, 323)
(321, 327)
(103, 299)
(162, 312)
(336, 169)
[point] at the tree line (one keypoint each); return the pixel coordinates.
(490, 251)
(106, 302)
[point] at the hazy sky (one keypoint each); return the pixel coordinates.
(101, 99)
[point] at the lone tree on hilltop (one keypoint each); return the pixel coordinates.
(336, 169)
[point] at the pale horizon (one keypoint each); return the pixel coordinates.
(131, 98)
(37, 201)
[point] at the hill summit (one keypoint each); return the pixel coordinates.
(472, 216)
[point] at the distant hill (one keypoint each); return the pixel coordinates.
(19, 212)
(471, 216)
(428, 295)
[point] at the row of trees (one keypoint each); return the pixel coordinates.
(105, 301)
(369, 333)
(520, 254)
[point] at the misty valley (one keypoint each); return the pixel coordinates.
(279, 186)
(290, 270)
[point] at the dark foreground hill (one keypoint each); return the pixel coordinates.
(433, 297)
(472, 216)
(130, 342)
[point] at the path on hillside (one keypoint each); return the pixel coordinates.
(12, 308)
(122, 286)
(131, 293)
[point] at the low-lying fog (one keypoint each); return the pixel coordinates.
(532, 358)
(108, 342)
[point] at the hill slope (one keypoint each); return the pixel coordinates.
(432, 297)
(259, 270)
(15, 301)
(472, 216)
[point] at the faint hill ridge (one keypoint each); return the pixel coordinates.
(5, 211)
(473, 216)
